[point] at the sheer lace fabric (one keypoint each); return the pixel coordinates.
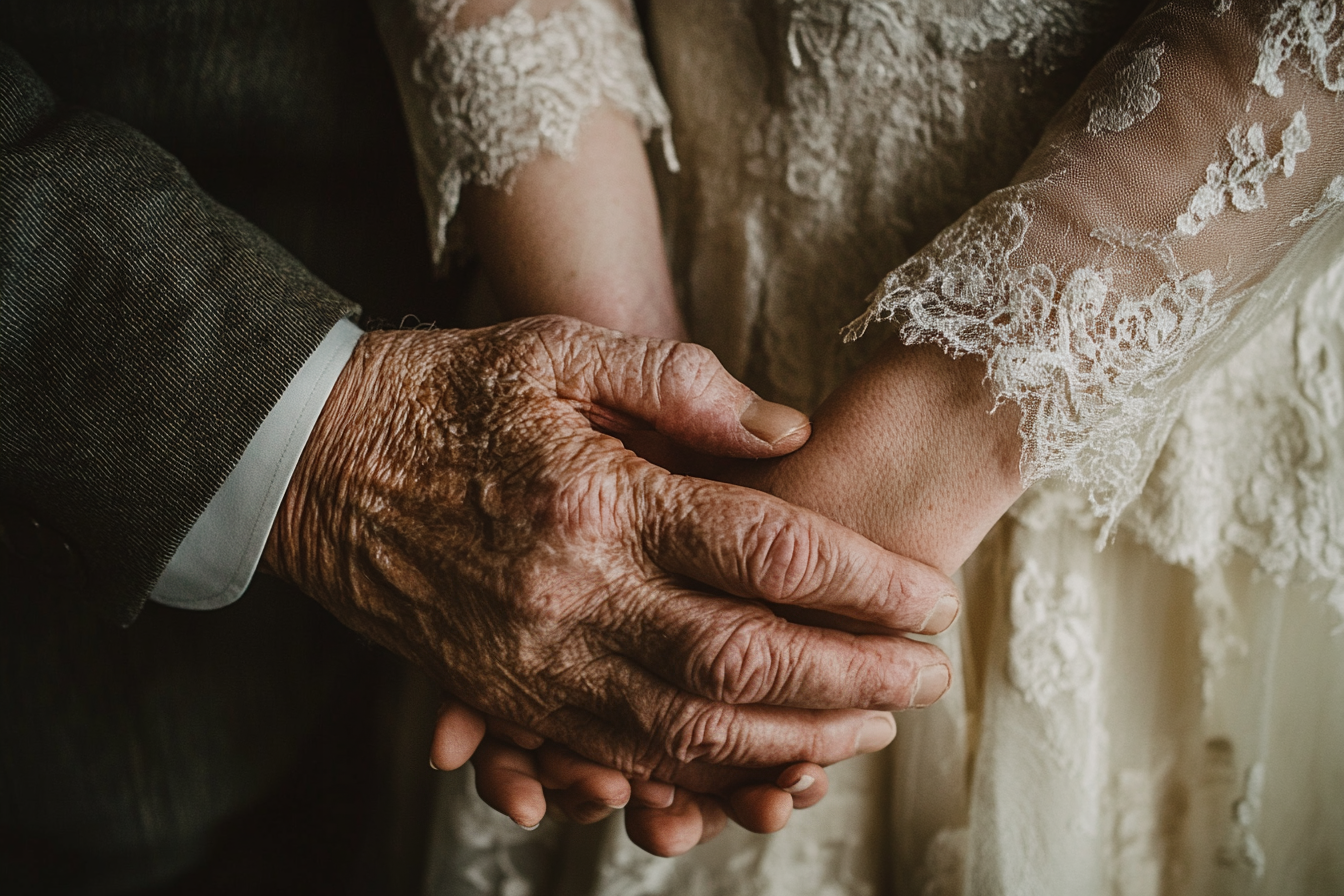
(486, 99)
(1096, 299)
(1157, 714)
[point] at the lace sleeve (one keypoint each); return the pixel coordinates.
(484, 99)
(1188, 191)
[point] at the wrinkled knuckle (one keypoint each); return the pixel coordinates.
(893, 592)
(649, 761)
(552, 341)
(558, 326)
(703, 733)
(873, 683)
(686, 369)
(744, 667)
(588, 499)
(540, 607)
(782, 558)
(578, 504)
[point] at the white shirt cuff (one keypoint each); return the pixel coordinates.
(216, 561)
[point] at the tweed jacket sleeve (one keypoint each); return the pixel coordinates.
(145, 332)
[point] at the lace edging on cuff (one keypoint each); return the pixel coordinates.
(506, 90)
(1087, 363)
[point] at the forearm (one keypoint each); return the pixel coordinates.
(529, 122)
(1169, 213)
(580, 237)
(145, 332)
(910, 452)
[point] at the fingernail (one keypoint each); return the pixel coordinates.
(771, 422)
(876, 733)
(930, 685)
(432, 765)
(804, 782)
(527, 827)
(617, 804)
(942, 614)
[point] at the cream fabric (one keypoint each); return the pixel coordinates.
(1150, 665)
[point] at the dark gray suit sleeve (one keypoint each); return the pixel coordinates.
(145, 331)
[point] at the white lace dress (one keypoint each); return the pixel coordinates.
(1150, 687)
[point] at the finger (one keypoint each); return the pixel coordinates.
(575, 808)
(735, 651)
(652, 794)
(586, 791)
(713, 816)
(806, 782)
(761, 808)
(678, 388)
(691, 819)
(457, 734)
(507, 780)
(750, 544)
(617, 747)
(513, 732)
(641, 726)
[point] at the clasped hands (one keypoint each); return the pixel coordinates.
(464, 502)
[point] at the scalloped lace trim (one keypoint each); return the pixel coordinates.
(517, 85)
(1083, 359)
(1095, 369)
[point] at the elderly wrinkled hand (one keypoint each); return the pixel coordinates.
(460, 503)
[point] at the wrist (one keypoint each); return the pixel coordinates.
(296, 550)
(911, 452)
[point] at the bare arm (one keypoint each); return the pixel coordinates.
(529, 122)
(908, 454)
(582, 237)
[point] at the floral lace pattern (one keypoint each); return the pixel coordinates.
(507, 90)
(1100, 368)
(1052, 652)
(859, 130)
(1131, 96)
(1083, 359)
(1242, 179)
(1253, 462)
(1300, 27)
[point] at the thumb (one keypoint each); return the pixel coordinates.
(682, 391)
